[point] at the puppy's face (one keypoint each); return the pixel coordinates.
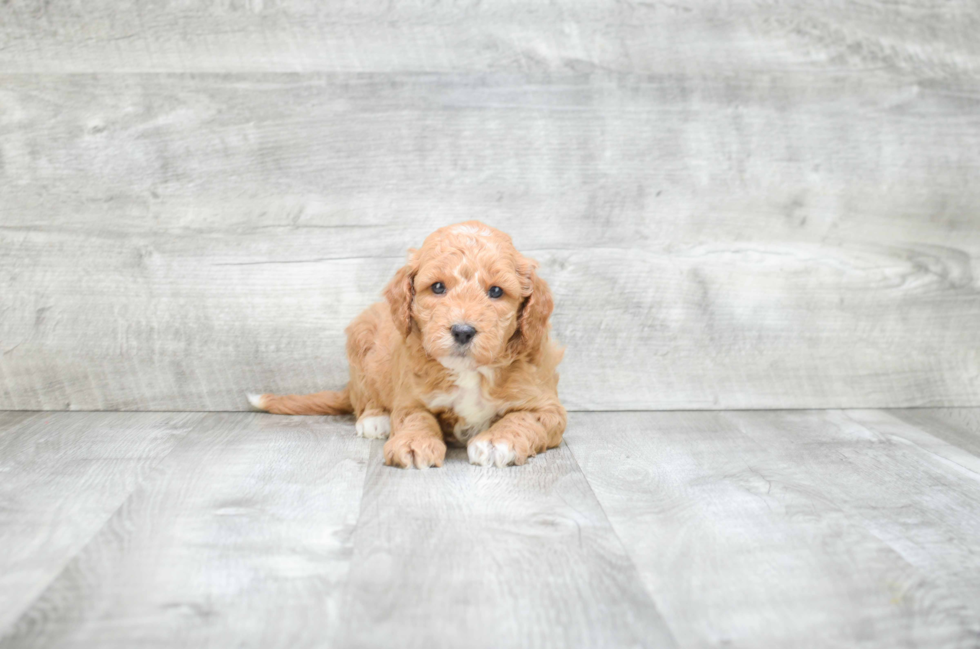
(468, 292)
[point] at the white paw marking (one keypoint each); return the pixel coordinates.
(256, 400)
(482, 453)
(376, 427)
(503, 454)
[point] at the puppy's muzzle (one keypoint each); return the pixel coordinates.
(462, 333)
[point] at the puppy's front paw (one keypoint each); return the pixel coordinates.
(374, 427)
(487, 450)
(409, 449)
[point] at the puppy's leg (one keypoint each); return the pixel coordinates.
(517, 436)
(374, 423)
(416, 440)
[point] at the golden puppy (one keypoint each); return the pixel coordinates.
(460, 352)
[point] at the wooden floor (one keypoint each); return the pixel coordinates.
(690, 529)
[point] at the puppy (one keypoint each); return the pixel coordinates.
(459, 352)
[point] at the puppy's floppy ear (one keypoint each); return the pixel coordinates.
(532, 321)
(400, 293)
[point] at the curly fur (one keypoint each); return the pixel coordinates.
(498, 394)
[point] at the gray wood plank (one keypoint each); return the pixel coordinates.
(62, 475)
(957, 426)
(787, 529)
(242, 537)
(926, 501)
(472, 557)
(561, 37)
(173, 241)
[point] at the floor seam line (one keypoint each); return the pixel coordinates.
(7, 632)
(626, 553)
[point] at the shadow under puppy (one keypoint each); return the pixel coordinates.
(460, 351)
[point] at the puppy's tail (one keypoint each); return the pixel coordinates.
(319, 403)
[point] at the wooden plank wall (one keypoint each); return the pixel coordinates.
(738, 204)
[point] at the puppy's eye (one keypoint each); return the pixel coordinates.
(438, 288)
(495, 292)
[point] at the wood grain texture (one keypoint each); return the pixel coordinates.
(472, 557)
(242, 537)
(62, 475)
(909, 488)
(561, 37)
(708, 529)
(957, 426)
(791, 528)
(793, 239)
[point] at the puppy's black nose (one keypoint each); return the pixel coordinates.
(462, 333)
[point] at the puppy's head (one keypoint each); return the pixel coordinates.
(471, 297)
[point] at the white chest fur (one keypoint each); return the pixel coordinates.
(468, 400)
